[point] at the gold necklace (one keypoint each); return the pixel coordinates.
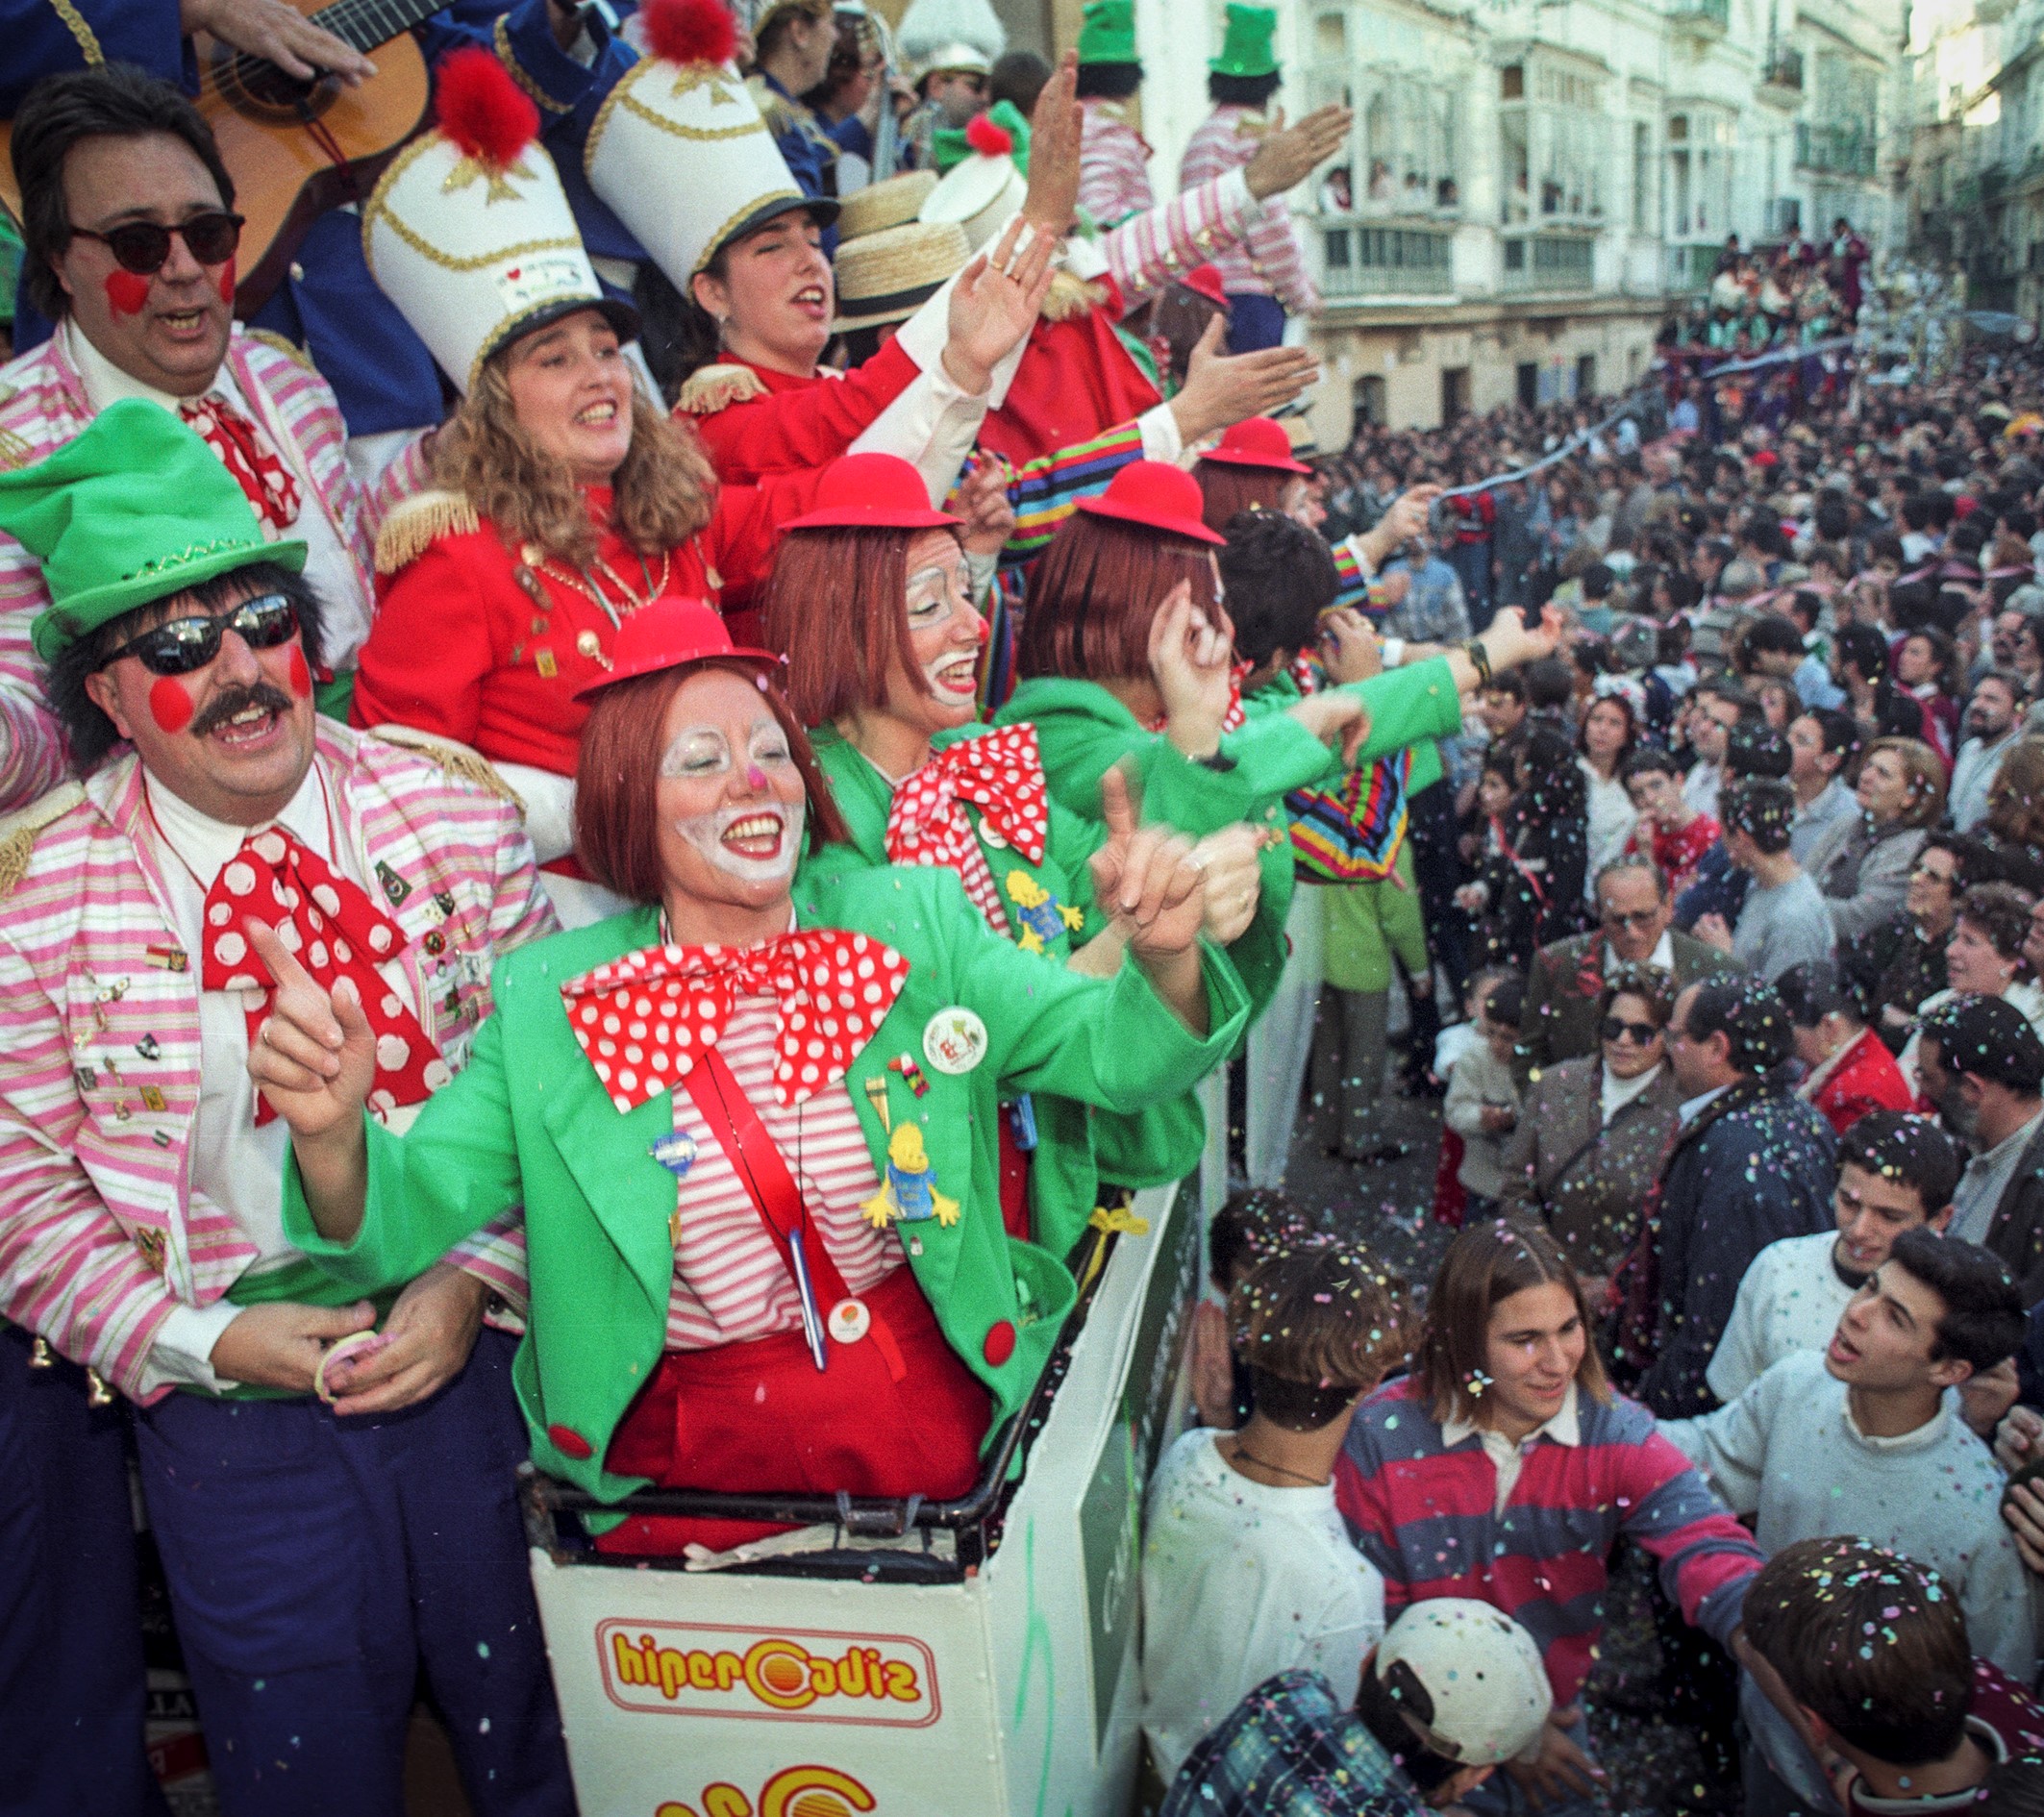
(584, 583)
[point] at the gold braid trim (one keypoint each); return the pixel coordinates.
(712, 389)
(74, 23)
(284, 344)
(416, 523)
(18, 832)
(460, 761)
(1069, 296)
(508, 57)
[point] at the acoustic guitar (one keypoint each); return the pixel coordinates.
(294, 148)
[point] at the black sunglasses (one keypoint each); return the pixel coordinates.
(142, 247)
(1628, 918)
(1643, 1033)
(184, 645)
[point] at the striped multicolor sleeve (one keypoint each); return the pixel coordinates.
(1148, 250)
(1047, 490)
(1706, 1556)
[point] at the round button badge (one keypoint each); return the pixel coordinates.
(850, 1321)
(955, 1040)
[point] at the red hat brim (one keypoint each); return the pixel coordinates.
(1170, 522)
(874, 517)
(684, 652)
(1247, 457)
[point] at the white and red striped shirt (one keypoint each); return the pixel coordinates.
(1269, 260)
(731, 1282)
(1113, 163)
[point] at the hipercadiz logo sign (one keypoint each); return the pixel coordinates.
(777, 1675)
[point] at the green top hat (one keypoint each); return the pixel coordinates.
(1107, 34)
(134, 509)
(1245, 43)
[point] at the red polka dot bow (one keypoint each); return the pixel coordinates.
(335, 931)
(642, 1019)
(1001, 773)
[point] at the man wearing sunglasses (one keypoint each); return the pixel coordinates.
(327, 1526)
(1636, 915)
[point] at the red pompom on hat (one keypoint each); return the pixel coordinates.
(691, 31)
(481, 109)
(988, 136)
(871, 492)
(668, 634)
(1156, 496)
(1257, 441)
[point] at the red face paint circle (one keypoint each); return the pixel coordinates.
(301, 676)
(170, 703)
(227, 284)
(126, 291)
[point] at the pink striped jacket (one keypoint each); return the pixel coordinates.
(43, 406)
(1113, 163)
(100, 1237)
(1269, 261)
(1166, 240)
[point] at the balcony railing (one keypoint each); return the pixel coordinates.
(1707, 17)
(1839, 150)
(1543, 262)
(1784, 70)
(1386, 261)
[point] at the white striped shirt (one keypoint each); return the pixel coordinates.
(731, 1282)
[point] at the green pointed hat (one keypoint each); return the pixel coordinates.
(1107, 32)
(1246, 42)
(136, 508)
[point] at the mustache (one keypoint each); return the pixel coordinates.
(224, 706)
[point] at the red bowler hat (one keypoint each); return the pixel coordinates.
(1257, 441)
(1162, 497)
(671, 634)
(1205, 280)
(871, 492)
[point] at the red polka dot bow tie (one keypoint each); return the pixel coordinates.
(642, 1019)
(264, 479)
(335, 931)
(1001, 773)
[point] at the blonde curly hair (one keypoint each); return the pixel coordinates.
(662, 493)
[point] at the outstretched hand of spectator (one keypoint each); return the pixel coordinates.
(1287, 155)
(1223, 388)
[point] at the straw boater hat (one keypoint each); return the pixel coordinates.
(889, 203)
(469, 232)
(887, 276)
(679, 151)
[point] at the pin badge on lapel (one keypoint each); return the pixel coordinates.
(675, 1152)
(955, 1040)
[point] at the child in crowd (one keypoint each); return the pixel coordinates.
(1872, 1649)
(1673, 833)
(1454, 1687)
(1247, 1570)
(1483, 1105)
(1451, 1045)
(1251, 1226)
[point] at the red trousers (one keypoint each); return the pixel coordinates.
(761, 1417)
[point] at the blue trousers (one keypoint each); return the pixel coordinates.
(1254, 322)
(72, 1690)
(319, 1567)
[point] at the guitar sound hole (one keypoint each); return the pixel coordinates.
(263, 91)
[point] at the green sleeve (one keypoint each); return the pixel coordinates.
(1408, 704)
(454, 1170)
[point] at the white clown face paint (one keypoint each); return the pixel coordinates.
(755, 845)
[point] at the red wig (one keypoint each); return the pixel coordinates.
(617, 778)
(1096, 592)
(1227, 490)
(837, 609)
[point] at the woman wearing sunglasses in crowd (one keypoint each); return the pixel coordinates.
(571, 501)
(849, 1313)
(1589, 1143)
(871, 604)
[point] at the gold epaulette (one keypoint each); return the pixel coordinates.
(18, 830)
(461, 760)
(1071, 296)
(416, 523)
(775, 110)
(709, 390)
(15, 449)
